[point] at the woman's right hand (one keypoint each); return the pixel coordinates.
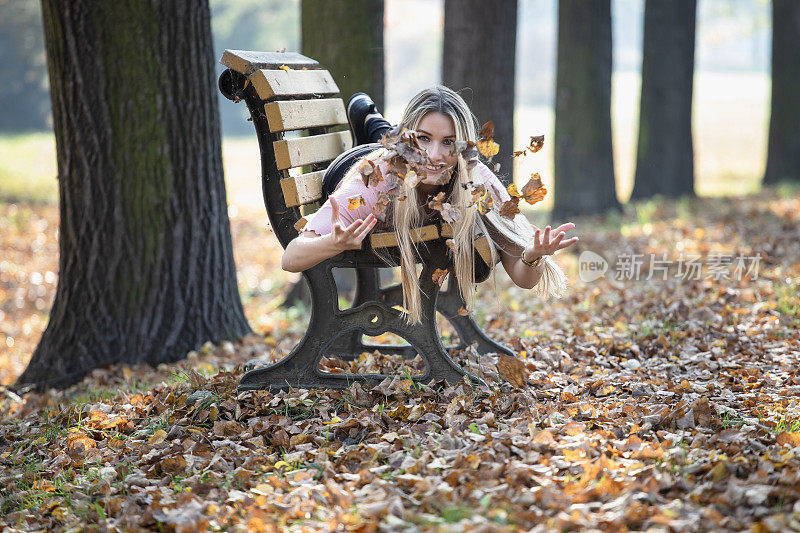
(350, 237)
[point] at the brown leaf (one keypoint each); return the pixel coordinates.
(790, 438)
(510, 208)
(439, 276)
(512, 370)
(173, 465)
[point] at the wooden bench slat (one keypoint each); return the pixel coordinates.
(282, 83)
(314, 149)
(302, 189)
(245, 61)
(482, 247)
(299, 114)
(387, 239)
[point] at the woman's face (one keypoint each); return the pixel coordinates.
(436, 134)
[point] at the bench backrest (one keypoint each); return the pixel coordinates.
(299, 96)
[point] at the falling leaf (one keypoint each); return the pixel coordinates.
(537, 141)
(376, 177)
(462, 311)
(381, 207)
(486, 145)
(486, 203)
(450, 213)
(451, 244)
(413, 179)
(510, 208)
(533, 191)
(437, 202)
(488, 148)
(354, 202)
(512, 370)
(439, 276)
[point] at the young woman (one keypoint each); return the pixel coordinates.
(442, 123)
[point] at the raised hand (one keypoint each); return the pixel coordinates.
(544, 244)
(350, 237)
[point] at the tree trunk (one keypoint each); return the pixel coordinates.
(584, 163)
(480, 43)
(146, 269)
(783, 152)
(665, 152)
(347, 39)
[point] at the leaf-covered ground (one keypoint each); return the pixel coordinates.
(665, 405)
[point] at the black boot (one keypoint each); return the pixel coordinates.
(358, 107)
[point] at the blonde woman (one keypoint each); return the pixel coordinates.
(442, 123)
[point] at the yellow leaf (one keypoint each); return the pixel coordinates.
(334, 420)
(488, 148)
(158, 437)
(284, 67)
(280, 464)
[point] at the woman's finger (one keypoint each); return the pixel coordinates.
(546, 236)
(568, 242)
(366, 228)
(334, 209)
(565, 227)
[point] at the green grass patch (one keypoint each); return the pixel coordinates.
(28, 168)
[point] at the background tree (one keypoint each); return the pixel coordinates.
(665, 151)
(480, 43)
(347, 39)
(146, 269)
(584, 164)
(24, 98)
(783, 152)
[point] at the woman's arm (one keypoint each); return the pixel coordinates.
(309, 249)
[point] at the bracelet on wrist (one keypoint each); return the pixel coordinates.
(533, 263)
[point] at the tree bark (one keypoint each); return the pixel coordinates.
(146, 269)
(584, 163)
(347, 39)
(665, 151)
(479, 50)
(783, 152)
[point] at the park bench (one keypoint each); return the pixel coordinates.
(287, 95)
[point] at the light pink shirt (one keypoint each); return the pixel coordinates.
(320, 221)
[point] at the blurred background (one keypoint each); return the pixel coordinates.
(730, 99)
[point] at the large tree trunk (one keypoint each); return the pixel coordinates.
(347, 39)
(665, 153)
(783, 153)
(480, 43)
(146, 269)
(584, 164)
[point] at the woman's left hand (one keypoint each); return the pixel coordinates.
(545, 244)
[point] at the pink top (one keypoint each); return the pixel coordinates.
(320, 221)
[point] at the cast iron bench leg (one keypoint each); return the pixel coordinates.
(300, 368)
